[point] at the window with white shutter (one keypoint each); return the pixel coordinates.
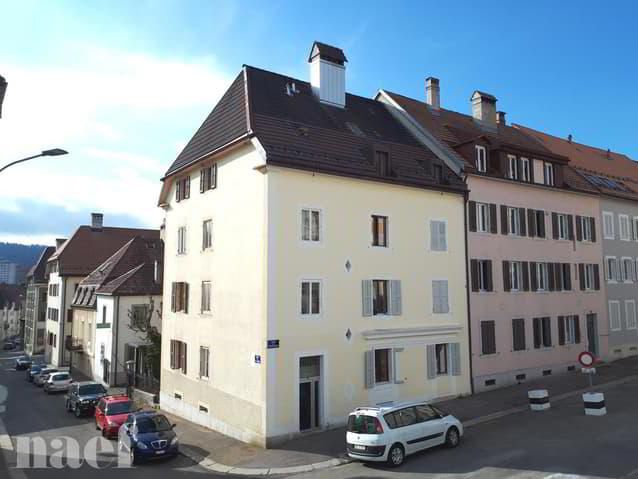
(614, 316)
(204, 358)
(440, 302)
(608, 225)
(623, 222)
(395, 298)
(438, 235)
(181, 240)
(630, 313)
(430, 351)
(366, 297)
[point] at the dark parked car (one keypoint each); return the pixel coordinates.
(147, 435)
(23, 362)
(82, 397)
(34, 370)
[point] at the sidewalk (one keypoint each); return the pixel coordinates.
(220, 453)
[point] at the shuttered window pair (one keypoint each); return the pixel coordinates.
(588, 276)
(181, 240)
(183, 188)
(562, 226)
(440, 301)
(488, 337)
(381, 297)
(208, 178)
(536, 223)
(586, 229)
(568, 330)
(513, 221)
(481, 275)
(381, 366)
(515, 276)
(179, 297)
(518, 334)
(443, 359)
(178, 355)
(542, 328)
(438, 235)
(482, 217)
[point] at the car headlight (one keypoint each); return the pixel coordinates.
(174, 441)
(141, 445)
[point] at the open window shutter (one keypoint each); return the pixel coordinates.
(593, 229)
(617, 269)
(504, 222)
(202, 180)
(396, 366)
(172, 355)
(395, 297)
(442, 235)
(472, 215)
(537, 332)
(474, 275)
(431, 359)
(596, 277)
(558, 269)
(185, 358)
(561, 330)
(551, 276)
(454, 351)
(185, 293)
(369, 369)
(213, 176)
(178, 190)
(525, 276)
(490, 283)
(531, 222)
(554, 226)
(579, 228)
(581, 276)
(577, 329)
(570, 227)
(534, 279)
(540, 219)
(567, 271)
(366, 297)
(507, 283)
(173, 298)
(187, 187)
(523, 220)
(493, 219)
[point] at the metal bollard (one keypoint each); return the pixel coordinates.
(594, 404)
(538, 399)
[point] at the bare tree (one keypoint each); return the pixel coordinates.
(142, 323)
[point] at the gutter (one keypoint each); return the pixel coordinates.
(466, 197)
(116, 304)
(63, 322)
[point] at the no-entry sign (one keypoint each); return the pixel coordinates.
(586, 359)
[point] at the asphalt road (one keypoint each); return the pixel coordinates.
(30, 412)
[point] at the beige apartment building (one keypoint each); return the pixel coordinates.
(314, 261)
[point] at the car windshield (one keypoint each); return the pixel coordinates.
(152, 424)
(92, 389)
(121, 407)
(360, 424)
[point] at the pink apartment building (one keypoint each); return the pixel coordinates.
(534, 242)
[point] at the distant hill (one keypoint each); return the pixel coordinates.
(24, 255)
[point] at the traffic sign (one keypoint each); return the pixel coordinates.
(587, 359)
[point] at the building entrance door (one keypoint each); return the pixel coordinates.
(309, 393)
(592, 334)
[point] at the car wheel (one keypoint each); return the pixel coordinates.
(452, 438)
(396, 456)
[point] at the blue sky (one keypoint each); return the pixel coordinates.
(123, 85)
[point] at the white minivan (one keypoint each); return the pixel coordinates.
(389, 433)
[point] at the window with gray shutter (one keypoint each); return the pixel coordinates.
(438, 239)
(369, 369)
(395, 366)
(455, 358)
(395, 298)
(440, 302)
(366, 286)
(488, 337)
(431, 360)
(518, 333)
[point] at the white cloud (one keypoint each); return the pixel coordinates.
(117, 114)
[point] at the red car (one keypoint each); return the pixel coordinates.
(111, 412)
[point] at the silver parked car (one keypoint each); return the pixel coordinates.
(59, 381)
(40, 378)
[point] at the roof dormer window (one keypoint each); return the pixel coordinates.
(481, 159)
(383, 163)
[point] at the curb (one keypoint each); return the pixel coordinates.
(213, 466)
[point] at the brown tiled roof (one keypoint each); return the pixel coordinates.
(88, 247)
(298, 131)
(129, 271)
(38, 270)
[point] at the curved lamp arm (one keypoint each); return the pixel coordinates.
(53, 152)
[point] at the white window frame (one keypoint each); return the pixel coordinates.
(181, 240)
(207, 376)
(525, 170)
(630, 322)
(548, 173)
(542, 274)
(516, 276)
(481, 158)
(588, 270)
(210, 299)
(586, 228)
(608, 220)
(445, 235)
(635, 228)
(624, 234)
(391, 365)
(481, 266)
(445, 347)
(627, 269)
(512, 171)
(570, 329)
(447, 298)
(483, 216)
(310, 314)
(513, 221)
(611, 273)
(563, 226)
(614, 303)
(311, 211)
(207, 234)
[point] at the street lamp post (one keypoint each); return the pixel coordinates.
(53, 152)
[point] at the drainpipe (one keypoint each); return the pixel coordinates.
(466, 198)
(116, 303)
(63, 322)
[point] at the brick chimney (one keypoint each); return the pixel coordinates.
(97, 220)
(433, 92)
(500, 117)
(484, 107)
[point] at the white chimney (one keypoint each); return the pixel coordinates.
(328, 74)
(97, 220)
(433, 92)
(484, 107)
(59, 242)
(500, 118)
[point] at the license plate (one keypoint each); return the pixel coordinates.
(359, 447)
(159, 452)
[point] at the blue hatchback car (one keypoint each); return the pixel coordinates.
(147, 435)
